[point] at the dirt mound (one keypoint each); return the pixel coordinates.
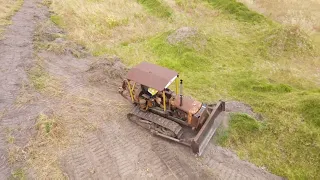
(107, 70)
(239, 107)
(51, 38)
(182, 35)
(236, 107)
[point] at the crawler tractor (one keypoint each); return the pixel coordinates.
(166, 113)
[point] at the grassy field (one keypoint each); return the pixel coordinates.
(236, 54)
(7, 9)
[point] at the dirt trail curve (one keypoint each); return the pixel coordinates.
(115, 148)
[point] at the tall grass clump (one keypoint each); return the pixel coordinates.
(42, 81)
(101, 25)
(45, 148)
(283, 40)
(238, 10)
(156, 7)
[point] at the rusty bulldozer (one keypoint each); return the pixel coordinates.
(166, 113)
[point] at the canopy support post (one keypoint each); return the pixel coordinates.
(177, 84)
(164, 100)
(131, 90)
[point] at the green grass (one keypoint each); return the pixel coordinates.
(238, 10)
(287, 141)
(39, 78)
(45, 124)
(18, 174)
(157, 8)
(310, 109)
(42, 81)
(229, 68)
(242, 129)
(57, 20)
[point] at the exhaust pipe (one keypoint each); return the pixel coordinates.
(181, 86)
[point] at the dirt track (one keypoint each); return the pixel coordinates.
(109, 147)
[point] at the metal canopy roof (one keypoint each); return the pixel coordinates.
(152, 75)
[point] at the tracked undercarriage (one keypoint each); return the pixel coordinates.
(156, 124)
(169, 129)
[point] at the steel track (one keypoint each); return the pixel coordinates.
(156, 119)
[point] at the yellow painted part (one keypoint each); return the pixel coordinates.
(177, 84)
(152, 91)
(130, 90)
(164, 100)
(134, 84)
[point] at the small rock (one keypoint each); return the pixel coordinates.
(181, 35)
(59, 41)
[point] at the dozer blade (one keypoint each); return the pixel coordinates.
(201, 140)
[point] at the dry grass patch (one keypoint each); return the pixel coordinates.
(7, 9)
(25, 96)
(49, 37)
(104, 23)
(16, 154)
(305, 13)
(72, 118)
(45, 149)
(18, 174)
(42, 81)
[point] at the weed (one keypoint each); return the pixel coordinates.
(46, 125)
(9, 136)
(112, 23)
(18, 174)
(42, 81)
(57, 20)
(10, 139)
(39, 78)
(47, 3)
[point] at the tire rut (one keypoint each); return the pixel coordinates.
(171, 161)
